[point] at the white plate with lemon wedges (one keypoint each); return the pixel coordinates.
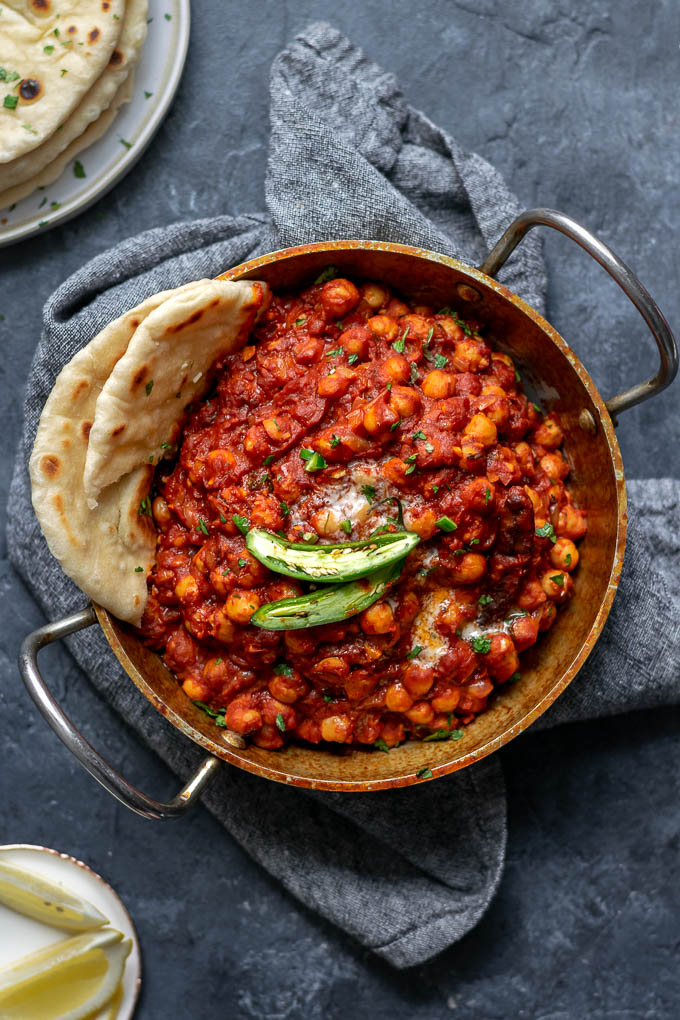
(68, 949)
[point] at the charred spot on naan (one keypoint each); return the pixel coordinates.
(139, 377)
(50, 465)
(93, 35)
(72, 29)
(85, 427)
(118, 431)
(41, 6)
(116, 58)
(105, 5)
(30, 89)
(179, 326)
(58, 505)
(80, 388)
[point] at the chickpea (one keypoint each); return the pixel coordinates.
(161, 512)
(524, 632)
(355, 340)
(418, 326)
(222, 627)
(374, 419)
(478, 494)
(242, 717)
(215, 671)
(536, 501)
(377, 619)
(404, 401)
(418, 679)
(556, 586)
(531, 596)
(186, 589)
(481, 428)
(396, 308)
(268, 737)
(554, 466)
(360, 683)
(498, 410)
(525, 458)
(332, 668)
(493, 391)
(438, 384)
(447, 701)
(336, 385)
(309, 351)
(250, 572)
(283, 589)
(450, 329)
(394, 470)
(468, 568)
(383, 327)
(548, 616)
(453, 617)
(396, 369)
(336, 728)
(571, 523)
(275, 429)
(300, 642)
(376, 295)
(338, 297)
(219, 465)
(564, 554)
(423, 522)
(392, 732)
(241, 605)
(194, 689)
(549, 434)
(472, 455)
(501, 660)
(421, 714)
(325, 522)
(397, 698)
(408, 608)
(470, 356)
(266, 513)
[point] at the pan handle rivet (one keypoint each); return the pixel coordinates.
(587, 422)
(467, 293)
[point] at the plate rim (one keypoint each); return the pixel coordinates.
(119, 169)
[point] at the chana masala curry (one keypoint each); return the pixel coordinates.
(364, 525)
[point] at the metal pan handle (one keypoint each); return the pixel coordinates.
(619, 271)
(90, 759)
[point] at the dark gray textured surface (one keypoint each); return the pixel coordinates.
(576, 104)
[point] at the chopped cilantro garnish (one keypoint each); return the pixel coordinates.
(147, 95)
(518, 377)
(537, 409)
(168, 17)
(547, 531)
(440, 361)
(557, 579)
(446, 524)
(78, 169)
(395, 425)
(315, 462)
(401, 342)
(414, 373)
(336, 351)
(301, 321)
(481, 645)
(410, 469)
(284, 508)
(415, 651)
(429, 448)
(567, 559)
(368, 491)
(380, 745)
(241, 562)
(139, 570)
(280, 724)
(283, 669)
(424, 773)
(144, 506)
(515, 677)
(329, 273)
(327, 697)
(268, 460)
(485, 600)
(346, 526)
(487, 496)
(334, 441)
(352, 359)
(128, 145)
(419, 435)
(444, 735)
(305, 453)
(10, 102)
(149, 387)
(202, 526)
(48, 49)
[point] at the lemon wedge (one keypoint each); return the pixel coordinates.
(110, 1010)
(69, 980)
(35, 896)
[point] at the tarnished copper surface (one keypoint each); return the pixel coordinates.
(554, 376)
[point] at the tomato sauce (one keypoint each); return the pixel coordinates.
(349, 412)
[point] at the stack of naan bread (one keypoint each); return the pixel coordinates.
(112, 415)
(66, 67)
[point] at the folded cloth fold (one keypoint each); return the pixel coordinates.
(349, 158)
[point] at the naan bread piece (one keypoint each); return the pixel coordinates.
(168, 364)
(100, 544)
(99, 98)
(40, 39)
(56, 168)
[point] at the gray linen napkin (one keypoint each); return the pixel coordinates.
(349, 158)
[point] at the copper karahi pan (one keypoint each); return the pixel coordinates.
(560, 382)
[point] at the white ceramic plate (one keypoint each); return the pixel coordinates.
(158, 73)
(21, 935)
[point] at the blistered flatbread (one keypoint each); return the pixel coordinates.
(166, 366)
(53, 51)
(106, 546)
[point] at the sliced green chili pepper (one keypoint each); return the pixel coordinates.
(327, 605)
(346, 561)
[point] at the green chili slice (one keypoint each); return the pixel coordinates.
(327, 605)
(346, 561)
